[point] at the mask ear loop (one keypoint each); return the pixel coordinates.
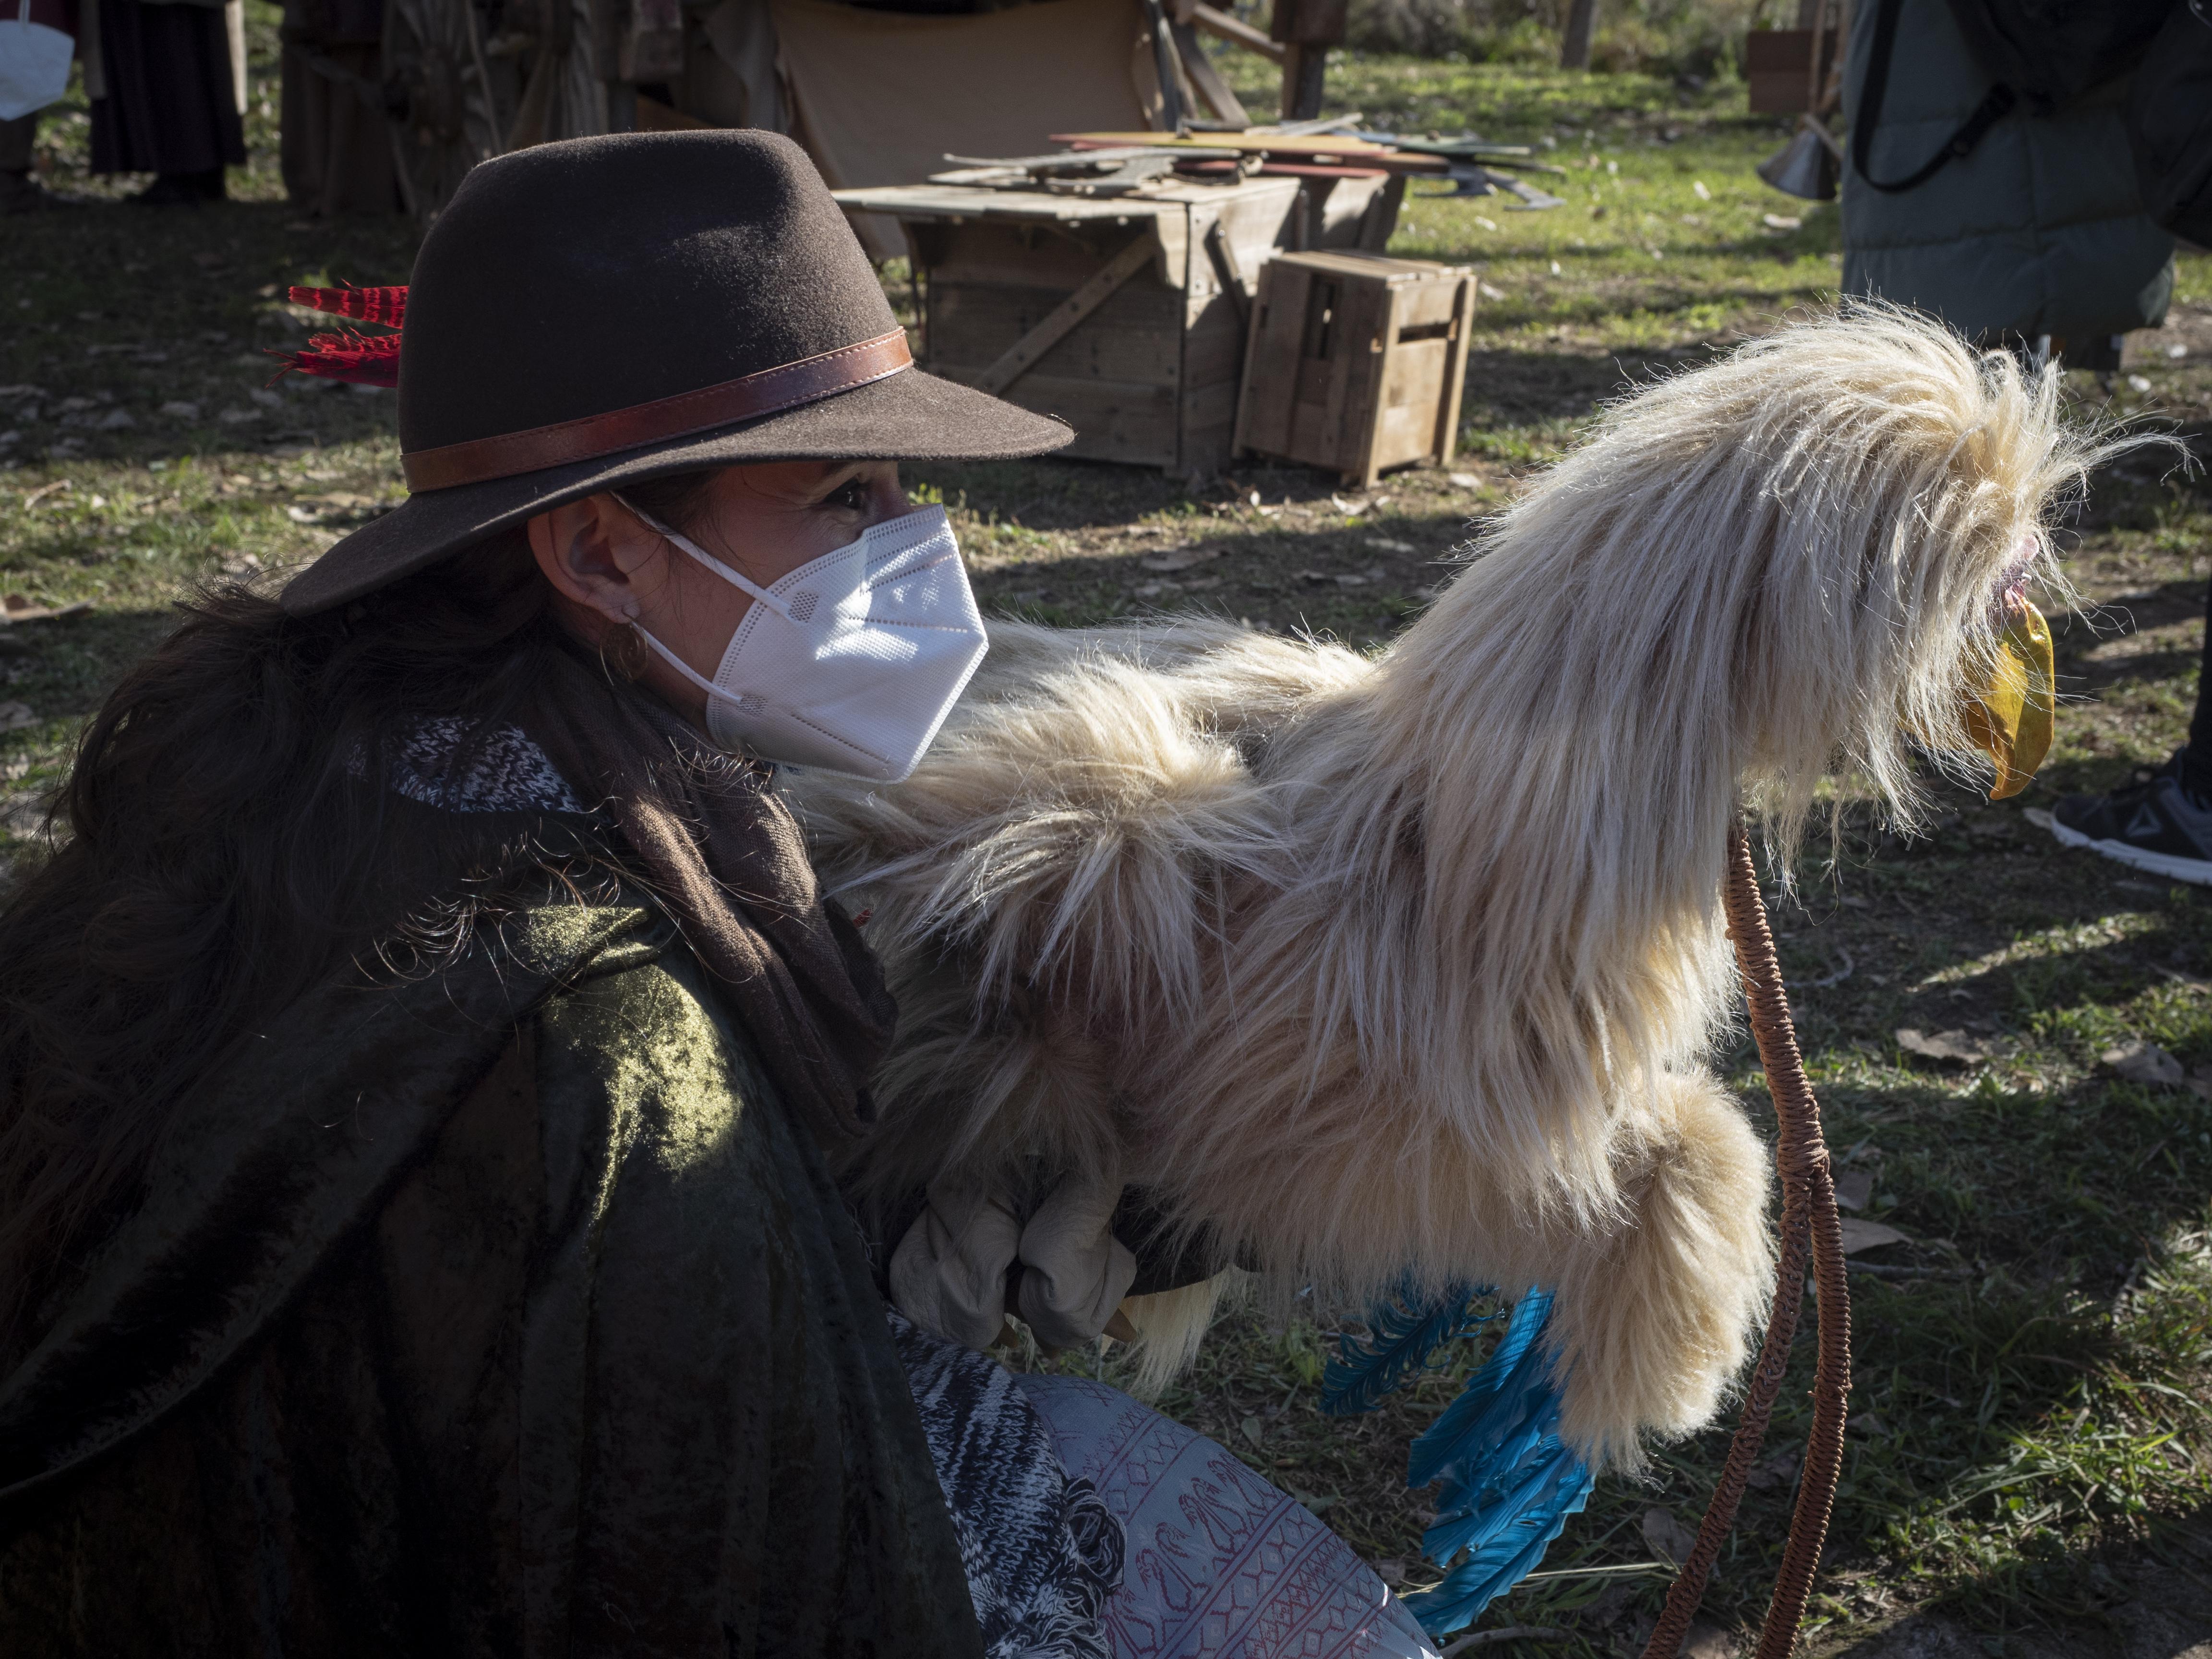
(736, 578)
(761, 595)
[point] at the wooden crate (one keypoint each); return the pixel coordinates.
(1124, 316)
(1355, 361)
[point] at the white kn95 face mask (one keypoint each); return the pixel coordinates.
(851, 662)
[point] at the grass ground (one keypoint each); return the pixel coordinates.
(2029, 1421)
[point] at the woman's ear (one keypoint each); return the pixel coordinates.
(594, 551)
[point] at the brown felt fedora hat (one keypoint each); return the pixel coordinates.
(598, 312)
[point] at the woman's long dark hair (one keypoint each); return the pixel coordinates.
(225, 841)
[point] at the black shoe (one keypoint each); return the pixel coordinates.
(182, 190)
(22, 192)
(2156, 825)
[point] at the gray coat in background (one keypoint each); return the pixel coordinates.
(2039, 230)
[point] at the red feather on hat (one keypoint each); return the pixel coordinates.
(387, 306)
(363, 359)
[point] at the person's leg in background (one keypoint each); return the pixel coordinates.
(16, 180)
(2161, 823)
(20, 189)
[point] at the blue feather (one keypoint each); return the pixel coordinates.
(1509, 1483)
(1510, 1550)
(1493, 1403)
(1400, 1344)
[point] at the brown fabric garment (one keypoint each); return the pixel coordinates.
(731, 863)
(336, 146)
(336, 140)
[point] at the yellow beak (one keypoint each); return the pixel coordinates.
(2009, 714)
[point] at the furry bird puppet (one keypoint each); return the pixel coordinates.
(1395, 973)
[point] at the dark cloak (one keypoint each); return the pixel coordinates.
(501, 1312)
(169, 107)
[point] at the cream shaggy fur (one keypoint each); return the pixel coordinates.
(1401, 969)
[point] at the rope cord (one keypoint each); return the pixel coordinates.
(1810, 1225)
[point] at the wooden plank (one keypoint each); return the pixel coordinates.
(975, 201)
(1222, 26)
(1024, 354)
(1213, 405)
(1112, 422)
(1021, 256)
(1222, 248)
(1213, 348)
(1314, 389)
(1271, 359)
(1429, 303)
(990, 316)
(1057, 161)
(1338, 209)
(1381, 218)
(1407, 433)
(1258, 226)
(1259, 139)
(1374, 267)
(1026, 252)
(1365, 425)
(1309, 438)
(963, 348)
(1205, 79)
(1305, 66)
(1266, 379)
(1355, 318)
(1174, 112)
(1455, 381)
(1412, 397)
(1213, 332)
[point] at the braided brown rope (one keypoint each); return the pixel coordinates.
(1808, 1221)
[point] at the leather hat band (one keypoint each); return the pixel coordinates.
(747, 398)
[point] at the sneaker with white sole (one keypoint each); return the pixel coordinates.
(2155, 825)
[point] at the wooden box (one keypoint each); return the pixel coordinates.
(1777, 68)
(1355, 361)
(1125, 316)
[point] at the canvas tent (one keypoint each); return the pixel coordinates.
(877, 95)
(882, 98)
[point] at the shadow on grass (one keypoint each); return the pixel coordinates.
(2142, 1596)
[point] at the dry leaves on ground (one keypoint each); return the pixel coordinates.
(2146, 1063)
(1178, 558)
(1669, 1540)
(1956, 1046)
(1869, 1235)
(1855, 1188)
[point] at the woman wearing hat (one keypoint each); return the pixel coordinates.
(424, 1061)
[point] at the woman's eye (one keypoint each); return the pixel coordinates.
(853, 496)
